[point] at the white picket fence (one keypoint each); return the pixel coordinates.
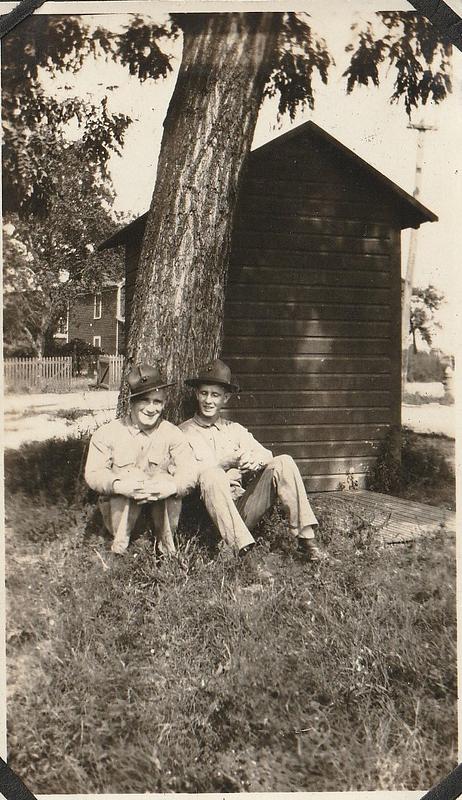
(40, 374)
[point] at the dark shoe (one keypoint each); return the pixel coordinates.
(310, 550)
(247, 549)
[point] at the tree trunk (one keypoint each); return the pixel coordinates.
(177, 311)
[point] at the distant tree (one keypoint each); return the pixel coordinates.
(49, 257)
(424, 303)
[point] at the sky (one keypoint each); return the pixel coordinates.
(364, 121)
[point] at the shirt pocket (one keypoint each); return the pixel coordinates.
(123, 464)
(158, 458)
(123, 459)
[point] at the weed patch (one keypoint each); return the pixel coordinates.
(423, 473)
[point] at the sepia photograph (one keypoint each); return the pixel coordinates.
(230, 317)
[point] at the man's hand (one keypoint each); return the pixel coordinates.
(157, 488)
(234, 476)
(247, 463)
(129, 485)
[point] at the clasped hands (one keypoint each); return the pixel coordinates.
(146, 489)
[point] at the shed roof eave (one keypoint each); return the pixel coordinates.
(120, 236)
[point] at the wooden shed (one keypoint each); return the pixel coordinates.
(313, 302)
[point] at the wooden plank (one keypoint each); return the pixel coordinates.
(277, 276)
(283, 435)
(314, 416)
(288, 221)
(334, 466)
(314, 364)
(314, 295)
(404, 520)
(349, 209)
(312, 171)
(330, 483)
(238, 309)
(407, 508)
(310, 243)
(305, 399)
(286, 186)
(326, 383)
(311, 450)
(300, 344)
(307, 328)
(398, 515)
(269, 256)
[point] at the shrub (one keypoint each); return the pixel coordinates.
(50, 470)
(420, 465)
(425, 367)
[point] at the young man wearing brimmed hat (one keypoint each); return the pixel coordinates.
(141, 459)
(226, 452)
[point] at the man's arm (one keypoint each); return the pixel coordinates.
(252, 454)
(184, 463)
(98, 468)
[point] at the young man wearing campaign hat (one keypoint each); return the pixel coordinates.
(225, 453)
(141, 459)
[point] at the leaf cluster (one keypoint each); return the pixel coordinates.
(413, 48)
(298, 56)
(424, 303)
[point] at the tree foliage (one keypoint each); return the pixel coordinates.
(424, 303)
(415, 50)
(38, 196)
(48, 258)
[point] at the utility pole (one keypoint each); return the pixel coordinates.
(420, 127)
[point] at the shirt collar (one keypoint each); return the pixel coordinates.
(203, 424)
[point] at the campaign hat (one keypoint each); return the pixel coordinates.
(144, 378)
(214, 372)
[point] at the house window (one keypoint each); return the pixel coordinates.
(97, 306)
(97, 341)
(61, 326)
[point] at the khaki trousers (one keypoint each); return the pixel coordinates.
(280, 479)
(121, 513)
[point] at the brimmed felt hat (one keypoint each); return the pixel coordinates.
(215, 372)
(144, 378)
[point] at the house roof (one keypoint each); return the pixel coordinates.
(413, 212)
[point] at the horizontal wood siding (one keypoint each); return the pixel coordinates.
(311, 311)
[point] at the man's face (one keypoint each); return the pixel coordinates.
(146, 409)
(211, 398)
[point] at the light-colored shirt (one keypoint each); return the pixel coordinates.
(213, 444)
(120, 447)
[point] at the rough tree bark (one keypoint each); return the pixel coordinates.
(177, 311)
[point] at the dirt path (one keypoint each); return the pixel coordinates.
(35, 418)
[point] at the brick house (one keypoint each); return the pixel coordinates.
(99, 318)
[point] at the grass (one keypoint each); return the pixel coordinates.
(203, 675)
